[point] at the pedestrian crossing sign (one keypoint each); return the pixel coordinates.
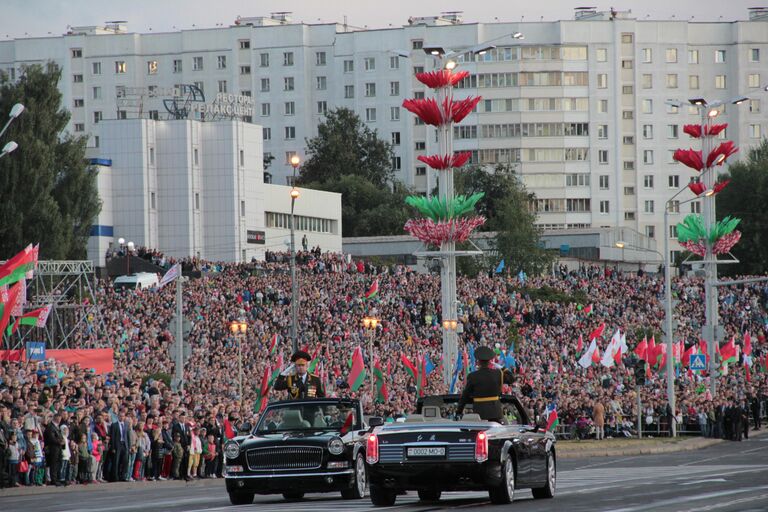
(698, 362)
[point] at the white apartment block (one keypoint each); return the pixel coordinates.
(578, 105)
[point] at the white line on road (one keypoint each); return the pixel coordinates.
(605, 463)
(726, 504)
(687, 499)
(703, 481)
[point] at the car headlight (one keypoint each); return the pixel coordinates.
(335, 446)
(231, 450)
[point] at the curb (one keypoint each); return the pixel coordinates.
(641, 450)
(109, 487)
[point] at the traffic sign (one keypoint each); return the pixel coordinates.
(174, 347)
(186, 327)
(698, 362)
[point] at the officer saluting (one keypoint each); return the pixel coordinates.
(299, 382)
(483, 387)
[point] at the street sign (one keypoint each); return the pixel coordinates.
(698, 362)
(173, 350)
(186, 327)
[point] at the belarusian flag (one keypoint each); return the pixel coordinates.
(409, 367)
(263, 392)
(686, 359)
(747, 344)
(382, 394)
(276, 370)
(729, 353)
(35, 317)
(587, 358)
(18, 267)
(641, 350)
(314, 361)
(13, 297)
(552, 420)
(357, 374)
(373, 290)
(597, 332)
(347, 423)
(580, 346)
(273, 344)
(747, 366)
(588, 310)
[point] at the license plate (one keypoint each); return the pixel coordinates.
(431, 451)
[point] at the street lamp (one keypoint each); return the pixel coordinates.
(370, 323)
(294, 161)
(15, 112)
(239, 327)
(8, 148)
(128, 258)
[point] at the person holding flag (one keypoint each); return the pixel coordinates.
(484, 386)
(298, 381)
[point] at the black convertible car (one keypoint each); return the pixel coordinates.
(299, 446)
(431, 453)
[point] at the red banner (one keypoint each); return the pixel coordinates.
(11, 355)
(100, 359)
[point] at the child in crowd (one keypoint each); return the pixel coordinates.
(210, 456)
(14, 457)
(37, 468)
(177, 453)
(195, 449)
(84, 473)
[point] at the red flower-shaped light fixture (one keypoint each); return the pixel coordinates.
(721, 153)
(442, 78)
(697, 187)
(689, 157)
(442, 162)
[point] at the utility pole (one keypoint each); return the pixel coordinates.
(179, 336)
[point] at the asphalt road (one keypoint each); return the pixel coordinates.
(723, 478)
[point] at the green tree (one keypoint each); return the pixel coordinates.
(346, 146)
(47, 193)
(746, 197)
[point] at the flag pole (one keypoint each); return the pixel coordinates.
(179, 337)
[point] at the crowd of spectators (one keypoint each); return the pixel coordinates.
(62, 424)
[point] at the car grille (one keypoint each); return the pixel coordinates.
(286, 458)
(395, 453)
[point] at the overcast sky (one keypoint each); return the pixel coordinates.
(41, 17)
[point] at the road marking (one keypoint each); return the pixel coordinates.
(686, 499)
(605, 463)
(755, 449)
(703, 481)
(727, 504)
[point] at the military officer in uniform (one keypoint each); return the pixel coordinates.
(483, 387)
(298, 381)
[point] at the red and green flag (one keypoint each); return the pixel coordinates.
(729, 353)
(597, 332)
(263, 392)
(273, 344)
(747, 344)
(382, 394)
(641, 350)
(409, 367)
(315, 360)
(552, 420)
(8, 305)
(35, 318)
(587, 310)
(580, 346)
(19, 267)
(357, 374)
(276, 370)
(372, 291)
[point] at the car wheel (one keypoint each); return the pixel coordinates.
(548, 491)
(504, 492)
(381, 497)
(241, 498)
(293, 495)
(429, 495)
(361, 481)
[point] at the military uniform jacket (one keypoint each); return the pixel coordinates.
(312, 388)
(483, 390)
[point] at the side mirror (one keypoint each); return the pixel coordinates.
(375, 421)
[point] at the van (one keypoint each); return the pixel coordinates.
(141, 281)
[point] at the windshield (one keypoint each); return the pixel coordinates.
(308, 417)
(444, 407)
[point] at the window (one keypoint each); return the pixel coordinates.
(152, 67)
(264, 60)
(603, 181)
(321, 83)
(628, 140)
(602, 81)
(242, 208)
(370, 90)
(322, 107)
(177, 66)
(672, 81)
(602, 106)
(77, 53)
(646, 81)
(394, 113)
(693, 81)
(394, 62)
(197, 200)
(421, 171)
(577, 180)
(242, 158)
(394, 88)
(349, 91)
(647, 106)
(629, 191)
(97, 117)
(201, 86)
(222, 85)
(197, 63)
(420, 146)
(79, 102)
(672, 109)
(96, 68)
(602, 131)
(120, 67)
(693, 56)
(397, 163)
(626, 64)
(245, 44)
(754, 131)
(78, 79)
(370, 115)
(672, 132)
(647, 55)
(671, 55)
(349, 66)
(648, 156)
(290, 132)
(754, 106)
(753, 80)
(648, 181)
(629, 165)
(673, 232)
(602, 156)
(601, 55)
(320, 58)
(417, 44)
(265, 109)
(674, 181)
(719, 56)
(290, 108)
(719, 81)
(418, 69)
(287, 58)
(696, 207)
(221, 62)
(754, 55)
(649, 206)
(605, 207)
(647, 131)
(288, 84)
(122, 114)
(79, 127)
(96, 93)
(152, 156)
(267, 133)
(369, 63)
(627, 38)
(152, 200)
(265, 85)
(628, 114)
(195, 156)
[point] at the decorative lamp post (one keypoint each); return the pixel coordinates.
(370, 323)
(294, 161)
(239, 328)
